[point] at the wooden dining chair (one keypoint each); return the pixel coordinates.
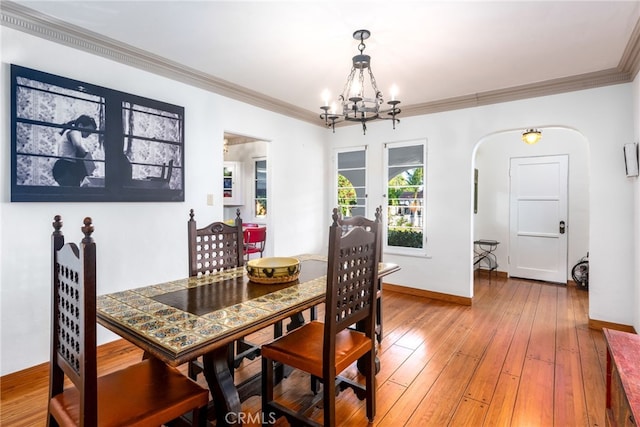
(379, 331)
(149, 393)
(326, 349)
(214, 248)
(217, 247)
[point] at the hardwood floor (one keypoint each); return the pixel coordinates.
(522, 355)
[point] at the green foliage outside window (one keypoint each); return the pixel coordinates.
(346, 195)
(404, 238)
(405, 208)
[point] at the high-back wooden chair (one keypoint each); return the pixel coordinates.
(216, 247)
(379, 331)
(326, 349)
(148, 393)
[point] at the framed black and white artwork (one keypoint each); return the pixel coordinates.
(73, 141)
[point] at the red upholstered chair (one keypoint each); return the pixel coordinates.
(149, 393)
(326, 349)
(254, 240)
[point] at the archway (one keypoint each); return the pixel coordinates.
(491, 157)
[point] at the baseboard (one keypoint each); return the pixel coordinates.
(601, 324)
(481, 272)
(427, 294)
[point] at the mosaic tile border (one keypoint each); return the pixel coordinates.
(176, 331)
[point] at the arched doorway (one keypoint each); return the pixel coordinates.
(492, 158)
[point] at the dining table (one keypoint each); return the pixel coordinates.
(181, 320)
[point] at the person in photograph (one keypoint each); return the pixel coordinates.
(76, 162)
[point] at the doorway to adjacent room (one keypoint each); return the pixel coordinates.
(539, 249)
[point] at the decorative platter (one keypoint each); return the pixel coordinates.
(273, 270)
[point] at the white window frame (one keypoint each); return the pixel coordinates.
(253, 187)
(423, 220)
(338, 151)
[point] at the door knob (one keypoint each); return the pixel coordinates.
(562, 227)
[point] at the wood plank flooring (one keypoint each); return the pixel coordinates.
(521, 355)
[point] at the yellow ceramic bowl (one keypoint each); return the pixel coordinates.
(273, 270)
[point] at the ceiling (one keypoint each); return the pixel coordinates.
(281, 55)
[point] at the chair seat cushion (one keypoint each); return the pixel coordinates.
(145, 394)
(302, 348)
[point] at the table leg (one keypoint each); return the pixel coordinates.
(297, 320)
(224, 392)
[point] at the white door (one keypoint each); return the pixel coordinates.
(538, 218)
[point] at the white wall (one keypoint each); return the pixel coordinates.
(603, 116)
(493, 160)
(141, 243)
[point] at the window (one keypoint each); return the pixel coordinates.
(260, 189)
(351, 181)
(405, 164)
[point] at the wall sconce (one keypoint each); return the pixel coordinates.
(531, 136)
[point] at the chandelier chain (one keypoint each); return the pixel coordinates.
(347, 85)
(377, 93)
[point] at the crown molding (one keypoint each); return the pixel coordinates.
(24, 19)
(515, 93)
(630, 60)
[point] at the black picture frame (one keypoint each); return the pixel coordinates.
(131, 148)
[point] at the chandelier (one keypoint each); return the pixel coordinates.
(354, 103)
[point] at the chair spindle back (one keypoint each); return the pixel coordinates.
(352, 274)
(73, 343)
(218, 246)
